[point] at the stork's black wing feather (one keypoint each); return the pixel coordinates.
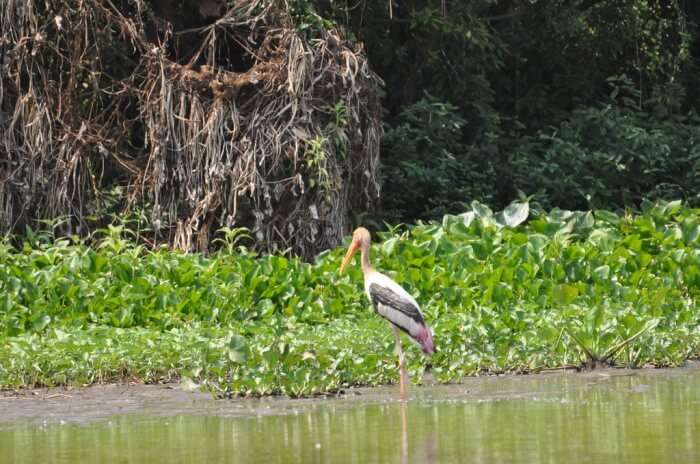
(387, 297)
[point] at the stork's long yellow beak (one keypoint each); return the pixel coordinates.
(348, 256)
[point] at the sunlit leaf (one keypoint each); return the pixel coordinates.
(481, 210)
(515, 214)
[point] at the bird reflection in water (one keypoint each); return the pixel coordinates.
(427, 452)
(404, 432)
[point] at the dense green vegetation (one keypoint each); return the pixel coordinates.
(520, 290)
(584, 104)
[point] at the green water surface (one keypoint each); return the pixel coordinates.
(643, 417)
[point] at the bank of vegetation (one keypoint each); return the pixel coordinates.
(517, 291)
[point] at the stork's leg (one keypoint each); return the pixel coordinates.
(402, 365)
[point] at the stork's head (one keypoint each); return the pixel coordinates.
(360, 240)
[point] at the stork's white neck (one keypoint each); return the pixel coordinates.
(366, 267)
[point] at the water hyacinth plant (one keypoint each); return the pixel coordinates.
(519, 290)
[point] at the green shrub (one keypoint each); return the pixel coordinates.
(428, 170)
(610, 157)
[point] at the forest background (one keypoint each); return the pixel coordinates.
(151, 112)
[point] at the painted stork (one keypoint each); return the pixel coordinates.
(391, 302)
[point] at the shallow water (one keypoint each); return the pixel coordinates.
(647, 416)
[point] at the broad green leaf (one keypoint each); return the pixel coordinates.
(607, 216)
(583, 221)
(41, 322)
(564, 294)
(237, 348)
(691, 232)
(604, 239)
(538, 241)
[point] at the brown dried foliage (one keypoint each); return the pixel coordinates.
(239, 122)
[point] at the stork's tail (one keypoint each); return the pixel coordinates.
(425, 339)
